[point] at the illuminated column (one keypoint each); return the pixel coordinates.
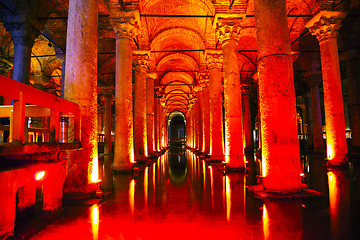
(280, 145)
(227, 30)
(150, 116)
(124, 23)
(158, 125)
(325, 27)
(314, 82)
(214, 62)
(204, 81)
(200, 120)
(248, 138)
(140, 61)
(81, 88)
(23, 35)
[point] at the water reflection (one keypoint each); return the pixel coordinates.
(184, 194)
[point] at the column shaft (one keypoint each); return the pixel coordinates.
(140, 133)
(247, 125)
(123, 152)
(316, 119)
(280, 146)
(206, 119)
(234, 152)
(107, 125)
(81, 88)
(216, 125)
(333, 102)
(150, 116)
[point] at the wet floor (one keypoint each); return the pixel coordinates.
(180, 196)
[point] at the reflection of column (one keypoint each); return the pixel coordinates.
(140, 132)
(124, 24)
(282, 219)
(214, 62)
(248, 139)
(204, 81)
(150, 113)
(279, 139)
(314, 83)
(228, 30)
(325, 26)
(81, 88)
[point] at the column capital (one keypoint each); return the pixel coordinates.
(204, 80)
(214, 59)
(141, 60)
(245, 89)
(314, 80)
(125, 22)
(227, 26)
(325, 24)
(22, 32)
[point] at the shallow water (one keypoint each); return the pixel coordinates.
(180, 196)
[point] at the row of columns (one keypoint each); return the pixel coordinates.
(280, 151)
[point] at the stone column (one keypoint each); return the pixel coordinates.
(107, 122)
(81, 88)
(125, 28)
(204, 81)
(141, 63)
(157, 125)
(214, 63)
(325, 27)
(200, 120)
(280, 146)
(23, 35)
(150, 116)
(247, 124)
(353, 75)
(308, 123)
(314, 82)
(228, 30)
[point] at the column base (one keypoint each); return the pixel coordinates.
(337, 162)
(259, 192)
(89, 191)
(230, 169)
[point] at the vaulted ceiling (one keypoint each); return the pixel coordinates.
(177, 33)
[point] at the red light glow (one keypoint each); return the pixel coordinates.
(39, 176)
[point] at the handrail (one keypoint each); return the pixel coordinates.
(22, 94)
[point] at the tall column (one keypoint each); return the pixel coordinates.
(204, 81)
(150, 115)
(228, 30)
(247, 124)
(201, 120)
(325, 27)
(81, 88)
(352, 75)
(214, 63)
(107, 122)
(280, 145)
(124, 23)
(141, 63)
(314, 82)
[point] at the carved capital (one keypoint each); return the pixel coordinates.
(245, 89)
(314, 80)
(204, 80)
(227, 26)
(325, 24)
(125, 23)
(141, 60)
(214, 59)
(22, 32)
